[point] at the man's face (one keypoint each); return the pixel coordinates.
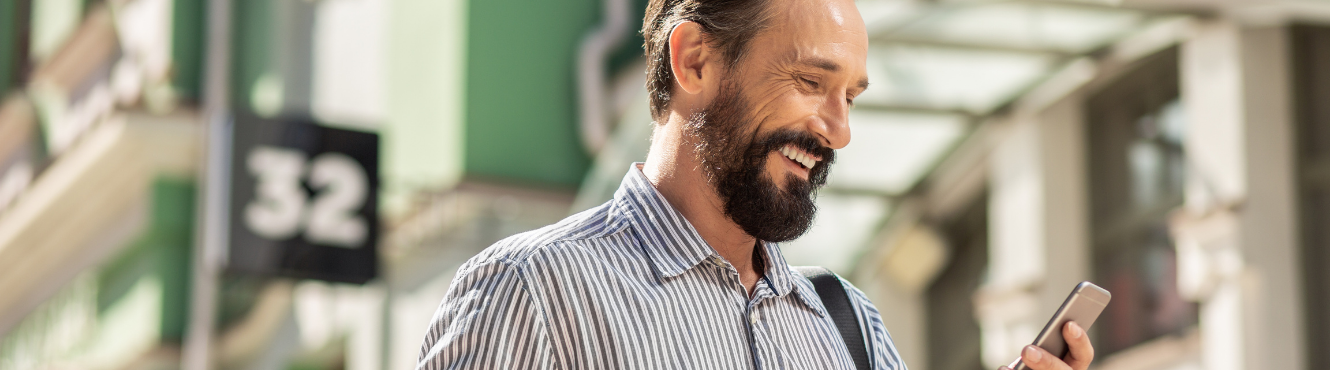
(766, 139)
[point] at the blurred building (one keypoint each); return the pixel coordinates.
(1168, 150)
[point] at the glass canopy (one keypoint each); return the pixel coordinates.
(937, 68)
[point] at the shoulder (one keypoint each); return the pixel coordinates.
(524, 249)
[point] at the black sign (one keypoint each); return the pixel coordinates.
(303, 200)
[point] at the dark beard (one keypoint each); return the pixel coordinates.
(733, 156)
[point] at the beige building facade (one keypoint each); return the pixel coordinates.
(1176, 168)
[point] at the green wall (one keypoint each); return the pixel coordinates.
(521, 92)
(9, 45)
(519, 100)
(188, 37)
(252, 35)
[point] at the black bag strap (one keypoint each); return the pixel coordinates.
(837, 302)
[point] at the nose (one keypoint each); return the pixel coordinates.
(832, 124)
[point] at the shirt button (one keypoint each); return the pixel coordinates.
(752, 318)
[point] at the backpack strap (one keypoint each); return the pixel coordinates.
(837, 302)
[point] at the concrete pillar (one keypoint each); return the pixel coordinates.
(1038, 239)
(1238, 238)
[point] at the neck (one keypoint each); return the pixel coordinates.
(673, 169)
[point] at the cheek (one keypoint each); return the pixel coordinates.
(775, 161)
(775, 168)
(789, 109)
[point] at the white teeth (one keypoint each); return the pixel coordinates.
(798, 156)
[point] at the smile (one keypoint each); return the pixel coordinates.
(799, 156)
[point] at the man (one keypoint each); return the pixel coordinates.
(681, 269)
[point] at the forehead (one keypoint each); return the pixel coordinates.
(816, 29)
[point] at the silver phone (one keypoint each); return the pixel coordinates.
(1083, 306)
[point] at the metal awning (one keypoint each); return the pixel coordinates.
(937, 68)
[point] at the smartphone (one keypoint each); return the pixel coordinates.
(1083, 306)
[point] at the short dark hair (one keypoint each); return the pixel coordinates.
(727, 25)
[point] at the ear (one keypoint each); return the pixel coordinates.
(689, 55)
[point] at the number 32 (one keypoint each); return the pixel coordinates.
(280, 207)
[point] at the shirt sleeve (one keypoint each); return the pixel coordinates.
(882, 351)
(488, 320)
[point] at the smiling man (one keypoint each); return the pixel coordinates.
(681, 270)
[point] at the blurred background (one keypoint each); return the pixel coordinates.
(291, 184)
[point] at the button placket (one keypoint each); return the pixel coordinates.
(754, 343)
(729, 273)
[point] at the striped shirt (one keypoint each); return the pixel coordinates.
(631, 285)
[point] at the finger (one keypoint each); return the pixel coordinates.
(1039, 359)
(1081, 352)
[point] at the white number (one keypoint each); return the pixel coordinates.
(280, 207)
(332, 217)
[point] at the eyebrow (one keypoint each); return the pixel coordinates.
(829, 66)
(822, 63)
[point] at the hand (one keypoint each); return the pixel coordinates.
(1079, 353)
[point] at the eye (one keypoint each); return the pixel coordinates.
(809, 82)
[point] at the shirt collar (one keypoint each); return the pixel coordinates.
(673, 244)
(782, 279)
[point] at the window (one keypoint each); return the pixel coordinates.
(1137, 171)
